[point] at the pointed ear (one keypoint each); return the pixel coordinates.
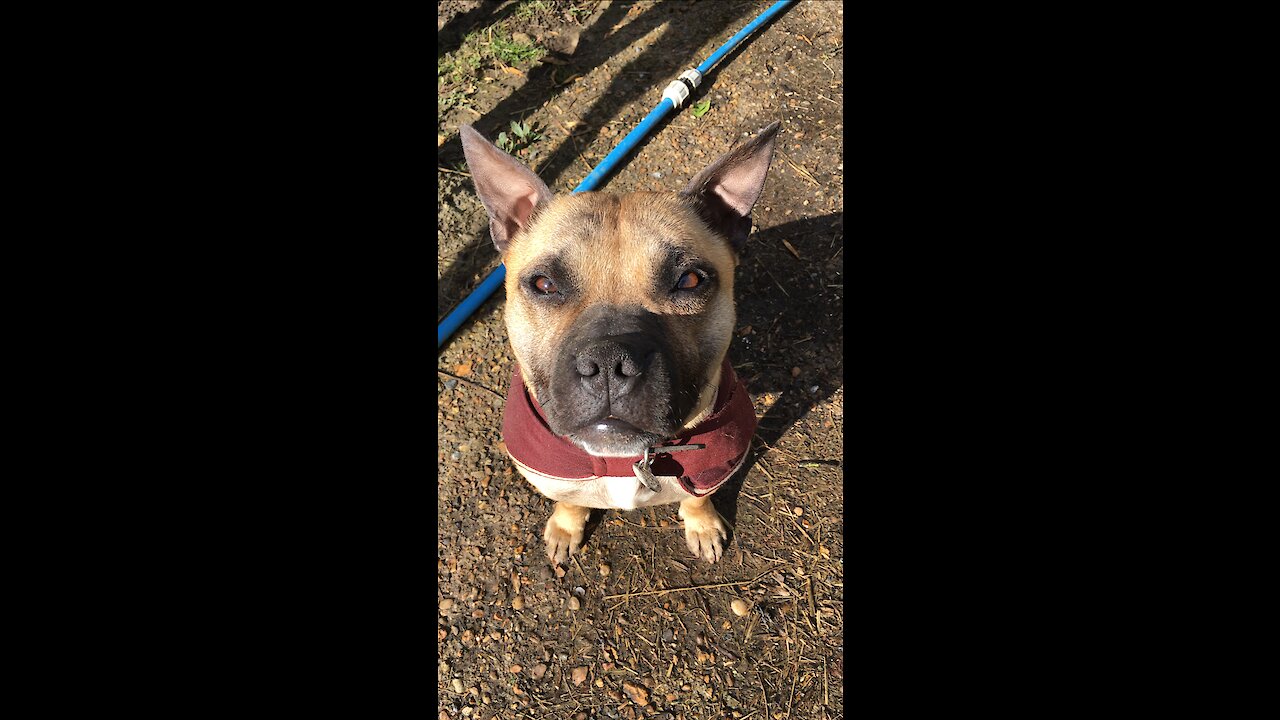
(726, 190)
(510, 191)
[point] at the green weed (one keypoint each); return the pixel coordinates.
(529, 8)
(511, 52)
(522, 136)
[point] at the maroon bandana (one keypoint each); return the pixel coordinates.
(727, 434)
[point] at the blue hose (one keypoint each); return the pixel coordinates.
(726, 48)
(597, 176)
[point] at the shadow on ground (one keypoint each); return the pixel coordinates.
(797, 321)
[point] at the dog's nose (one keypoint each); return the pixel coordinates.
(612, 367)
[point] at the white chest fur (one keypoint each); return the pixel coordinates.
(621, 493)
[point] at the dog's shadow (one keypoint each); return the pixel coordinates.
(790, 317)
(794, 310)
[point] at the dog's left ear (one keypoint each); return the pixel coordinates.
(727, 189)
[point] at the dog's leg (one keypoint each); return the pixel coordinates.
(703, 528)
(564, 531)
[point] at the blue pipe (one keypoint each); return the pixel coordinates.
(597, 176)
(726, 48)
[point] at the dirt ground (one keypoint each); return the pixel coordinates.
(636, 627)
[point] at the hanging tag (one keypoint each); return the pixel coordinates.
(644, 474)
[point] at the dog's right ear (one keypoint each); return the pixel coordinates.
(510, 191)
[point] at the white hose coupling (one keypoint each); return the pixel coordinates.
(678, 91)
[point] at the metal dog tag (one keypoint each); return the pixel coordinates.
(644, 474)
(641, 468)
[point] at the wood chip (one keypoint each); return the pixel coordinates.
(637, 693)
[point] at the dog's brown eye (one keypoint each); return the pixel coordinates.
(688, 281)
(544, 284)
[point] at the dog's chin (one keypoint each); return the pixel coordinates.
(613, 438)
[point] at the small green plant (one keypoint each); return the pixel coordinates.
(452, 99)
(530, 8)
(700, 108)
(511, 52)
(522, 136)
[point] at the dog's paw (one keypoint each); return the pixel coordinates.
(564, 531)
(705, 533)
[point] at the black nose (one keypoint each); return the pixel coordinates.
(611, 368)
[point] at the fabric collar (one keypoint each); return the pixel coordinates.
(726, 432)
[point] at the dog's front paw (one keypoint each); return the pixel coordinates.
(704, 530)
(563, 534)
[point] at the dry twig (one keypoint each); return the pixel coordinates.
(476, 384)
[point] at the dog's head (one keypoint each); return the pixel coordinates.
(620, 307)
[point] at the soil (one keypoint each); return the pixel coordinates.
(634, 626)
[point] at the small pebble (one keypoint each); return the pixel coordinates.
(574, 603)
(537, 671)
(517, 603)
(798, 511)
(740, 608)
(515, 669)
(456, 685)
(605, 569)
(795, 372)
(579, 675)
(560, 571)
(446, 605)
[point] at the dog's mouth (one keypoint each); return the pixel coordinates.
(612, 436)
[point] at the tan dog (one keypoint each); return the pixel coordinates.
(620, 312)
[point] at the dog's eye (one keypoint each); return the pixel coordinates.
(545, 285)
(688, 281)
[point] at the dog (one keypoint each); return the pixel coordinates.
(620, 311)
